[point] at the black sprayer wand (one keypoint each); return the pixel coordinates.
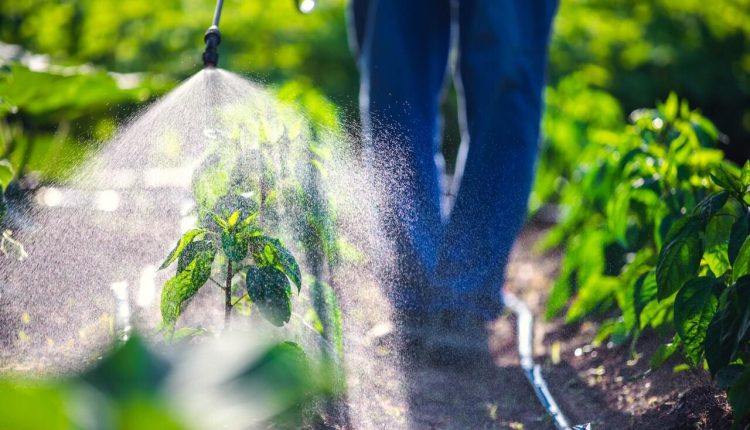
(213, 39)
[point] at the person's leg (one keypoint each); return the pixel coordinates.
(502, 60)
(403, 55)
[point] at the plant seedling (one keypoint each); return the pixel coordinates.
(232, 238)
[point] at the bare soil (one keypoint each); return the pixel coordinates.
(605, 386)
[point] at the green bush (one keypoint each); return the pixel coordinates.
(654, 232)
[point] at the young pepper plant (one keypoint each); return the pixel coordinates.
(232, 238)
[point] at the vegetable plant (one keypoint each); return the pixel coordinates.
(260, 180)
(233, 240)
(654, 232)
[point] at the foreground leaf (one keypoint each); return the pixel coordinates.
(694, 307)
(129, 370)
(729, 329)
(269, 290)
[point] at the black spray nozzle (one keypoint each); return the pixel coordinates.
(211, 54)
(213, 38)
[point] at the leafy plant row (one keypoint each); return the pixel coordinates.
(655, 231)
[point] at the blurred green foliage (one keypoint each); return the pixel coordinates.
(654, 232)
(134, 388)
(641, 50)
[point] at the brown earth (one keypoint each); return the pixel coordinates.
(603, 385)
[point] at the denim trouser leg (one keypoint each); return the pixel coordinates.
(402, 48)
(502, 57)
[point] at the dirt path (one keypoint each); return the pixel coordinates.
(603, 386)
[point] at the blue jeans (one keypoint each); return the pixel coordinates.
(402, 49)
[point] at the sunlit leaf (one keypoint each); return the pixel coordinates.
(185, 284)
(742, 262)
(739, 233)
(6, 174)
(181, 244)
(644, 291)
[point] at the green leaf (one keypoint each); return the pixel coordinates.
(679, 260)
(249, 220)
(36, 404)
(191, 251)
(742, 262)
(670, 107)
(739, 397)
(716, 239)
(181, 244)
(617, 211)
(270, 251)
(6, 174)
(220, 221)
(327, 309)
(728, 376)
(726, 180)
(129, 370)
(740, 231)
(596, 293)
(235, 243)
(729, 329)
(188, 332)
(694, 307)
(233, 219)
(644, 292)
(709, 206)
(664, 353)
(281, 378)
(745, 175)
(231, 203)
(185, 284)
(269, 290)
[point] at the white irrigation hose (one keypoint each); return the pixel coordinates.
(533, 371)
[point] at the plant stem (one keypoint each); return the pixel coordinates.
(228, 295)
(216, 282)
